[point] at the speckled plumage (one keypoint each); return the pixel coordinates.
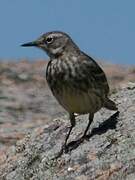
(75, 79)
(72, 83)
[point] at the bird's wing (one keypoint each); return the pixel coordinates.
(91, 76)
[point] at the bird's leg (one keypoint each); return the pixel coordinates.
(72, 121)
(91, 116)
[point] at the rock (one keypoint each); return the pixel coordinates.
(107, 153)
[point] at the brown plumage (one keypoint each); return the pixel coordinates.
(75, 79)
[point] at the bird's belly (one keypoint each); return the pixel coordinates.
(77, 101)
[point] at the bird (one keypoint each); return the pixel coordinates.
(76, 80)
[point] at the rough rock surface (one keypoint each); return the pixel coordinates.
(25, 101)
(108, 153)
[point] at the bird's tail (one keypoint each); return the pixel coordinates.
(109, 104)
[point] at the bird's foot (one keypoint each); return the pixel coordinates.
(85, 137)
(64, 149)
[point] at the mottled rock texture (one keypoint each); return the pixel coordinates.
(108, 153)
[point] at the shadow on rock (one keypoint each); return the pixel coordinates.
(110, 123)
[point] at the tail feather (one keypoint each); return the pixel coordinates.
(109, 104)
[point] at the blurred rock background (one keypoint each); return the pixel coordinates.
(26, 102)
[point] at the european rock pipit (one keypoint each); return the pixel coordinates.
(75, 79)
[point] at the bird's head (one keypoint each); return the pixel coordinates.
(53, 43)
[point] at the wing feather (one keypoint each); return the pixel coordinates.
(91, 76)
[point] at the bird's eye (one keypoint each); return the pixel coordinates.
(49, 40)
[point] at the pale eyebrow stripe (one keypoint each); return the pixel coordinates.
(56, 34)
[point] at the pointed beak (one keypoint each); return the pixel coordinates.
(33, 43)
